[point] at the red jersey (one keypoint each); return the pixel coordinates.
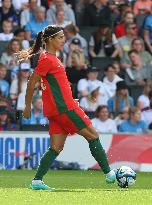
(120, 30)
(56, 91)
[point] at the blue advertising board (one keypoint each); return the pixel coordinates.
(17, 148)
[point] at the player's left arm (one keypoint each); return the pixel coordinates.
(34, 78)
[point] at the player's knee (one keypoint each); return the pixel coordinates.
(94, 135)
(57, 148)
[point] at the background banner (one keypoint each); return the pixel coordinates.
(121, 149)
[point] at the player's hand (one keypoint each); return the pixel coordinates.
(27, 113)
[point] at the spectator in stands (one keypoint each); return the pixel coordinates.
(134, 124)
(148, 32)
(77, 63)
(25, 4)
(4, 85)
(93, 100)
(70, 32)
(104, 43)
(120, 29)
(20, 34)
(87, 83)
(21, 97)
(103, 123)
(124, 8)
(37, 24)
(7, 33)
(20, 4)
(81, 4)
(137, 74)
(45, 3)
(8, 57)
(146, 114)
(19, 84)
(122, 116)
(37, 117)
(131, 33)
(76, 54)
(118, 69)
(142, 7)
(5, 120)
(60, 4)
(6, 102)
(138, 45)
(79, 10)
(143, 101)
(62, 56)
(7, 12)
(28, 14)
(110, 80)
(97, 12)
(120, 100)
(60, 19)
(114, 7)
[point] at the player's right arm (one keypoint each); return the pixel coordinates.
(34, 78)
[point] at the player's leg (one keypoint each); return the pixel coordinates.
(83, 126)
(57, 141)
(97, 151)
(57, 144)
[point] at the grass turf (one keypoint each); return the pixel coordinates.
(72, 188)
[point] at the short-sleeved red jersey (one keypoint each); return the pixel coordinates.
(56, 91)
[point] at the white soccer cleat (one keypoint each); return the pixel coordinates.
(39, 185)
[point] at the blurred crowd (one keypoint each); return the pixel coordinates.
(107, 56)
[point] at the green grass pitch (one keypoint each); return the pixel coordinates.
(72, 188)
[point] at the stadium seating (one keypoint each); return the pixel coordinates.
(3, 46)
(87, 31)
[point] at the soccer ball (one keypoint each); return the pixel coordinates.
(125, 176)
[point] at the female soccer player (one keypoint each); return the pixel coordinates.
(63, 112)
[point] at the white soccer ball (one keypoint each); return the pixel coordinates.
(126, 177)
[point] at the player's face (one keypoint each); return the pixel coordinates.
(58, 41)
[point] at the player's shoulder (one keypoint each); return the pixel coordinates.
(46, 57)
